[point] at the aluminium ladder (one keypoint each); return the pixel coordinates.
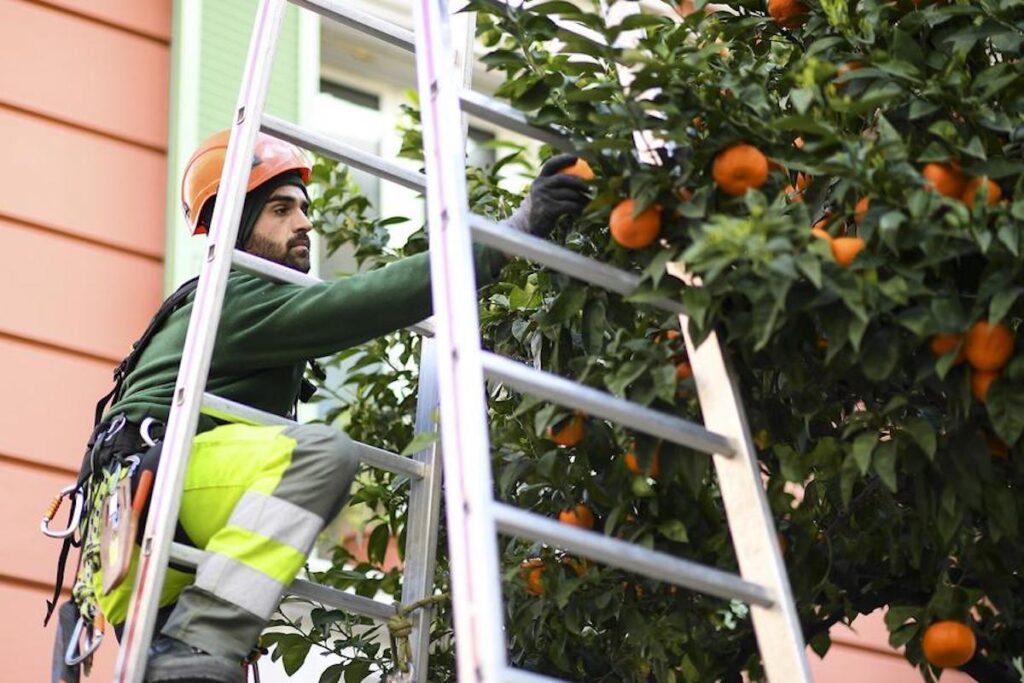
(422, 469)
(474, 517)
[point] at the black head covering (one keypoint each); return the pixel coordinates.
(254, 202)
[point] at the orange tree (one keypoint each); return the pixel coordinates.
(876, 352)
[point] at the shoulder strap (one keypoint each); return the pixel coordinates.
(170, 304)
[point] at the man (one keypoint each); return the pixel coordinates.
(256, 497)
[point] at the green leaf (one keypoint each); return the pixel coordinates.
(863, 447)
(881, 354)
(293, 655)
(674, 530)
(821, 643)
(568, 304)
(1001, 304)
(923, 434)
(801, 99)
(884, 462)
(332, 674)
(378, 546)
(1005, 405)
(357, 671)
(419, 442)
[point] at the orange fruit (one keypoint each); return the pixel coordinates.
(569, 434)
(633, 465)
(944, 343)
(683, 371)
(988, 347)
(946, 179)
(793, 194)
(803, 181)
(821, 233)
(861, 209)
(981, 380)
(798, 142)
(844, 69)
(787, 13)
(532, 570)
(739, 168)
(971, 189)
(845, 249)
(634, 232)
(580, 566)
(948, 644)
(581, 169)
(579, 515)
(670, 335)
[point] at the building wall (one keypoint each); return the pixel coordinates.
(83, 120)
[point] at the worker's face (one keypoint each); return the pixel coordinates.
(280, 234)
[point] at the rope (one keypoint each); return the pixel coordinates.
(400, 628)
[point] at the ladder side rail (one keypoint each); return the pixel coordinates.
(523, 676)
(231, 411)
(341, 151)
(778, 630)
(547, 253)
(361, 21)
(592, 401)
(198, 348)
(421, 530)
(254, 265)
(476, 589)
(629, 556)
(325, 595)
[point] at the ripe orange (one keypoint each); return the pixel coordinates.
(787, 13)
(981, 380)
(684, 371)
(580, 566)
(740, 168)
(579, 515)
(821, 233)
(946, 179)
(945, 342)
(861, 209)
(803, 181)
(845, 249)
(581, 169)
(988, 347)
(793, 194)
(634, 232)
(633, 465)
(844, 69)
(570, 434)
(532, 570)
(948, 644)
(971, 190)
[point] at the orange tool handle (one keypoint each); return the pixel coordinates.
(142, 493)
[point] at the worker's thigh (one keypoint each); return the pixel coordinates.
(312, 465)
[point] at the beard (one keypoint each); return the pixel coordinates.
(288, 255)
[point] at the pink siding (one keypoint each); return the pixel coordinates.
(100, 189)
(151, 17)
(83, 116)
(102, 72)
(36, 380)
(101, 295)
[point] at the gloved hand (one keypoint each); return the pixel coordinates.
(552, 195)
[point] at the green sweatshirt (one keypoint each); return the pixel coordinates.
(269, 330)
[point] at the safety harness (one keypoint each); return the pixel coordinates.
(117, 450)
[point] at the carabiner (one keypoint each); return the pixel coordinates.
(76, 512)
(89, 646)
(144, 431)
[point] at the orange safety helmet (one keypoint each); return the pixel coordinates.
(271, 157)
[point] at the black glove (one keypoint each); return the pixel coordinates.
(552, 195)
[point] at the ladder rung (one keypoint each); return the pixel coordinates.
(231, 411)
(332, 597)
(354, 157)
(505, 115)
(254, 265)
(629, 556)
(602, 404)
(520, 676)
(486, 231)
(361, 21)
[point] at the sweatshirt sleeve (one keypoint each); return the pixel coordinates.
(266, 324)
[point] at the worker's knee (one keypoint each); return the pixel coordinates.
(324, 463)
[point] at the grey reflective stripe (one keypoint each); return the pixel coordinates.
(277, 519)
(239, 584)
